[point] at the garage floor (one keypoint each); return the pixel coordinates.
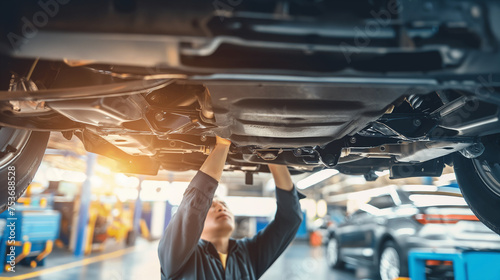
(299, 261)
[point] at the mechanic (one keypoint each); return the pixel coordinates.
(197, 244)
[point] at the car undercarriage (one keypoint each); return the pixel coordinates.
(407, 86)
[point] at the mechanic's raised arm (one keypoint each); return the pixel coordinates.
(184, 230)
(269, 243)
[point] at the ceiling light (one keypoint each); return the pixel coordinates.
(383, 173)
(316, 178)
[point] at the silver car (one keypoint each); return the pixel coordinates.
(382, 232)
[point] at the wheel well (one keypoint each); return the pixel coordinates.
(331, 234)
(386, 237)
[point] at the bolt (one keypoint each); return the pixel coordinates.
(235, 25)
(203, 138)
(298, 151)
(382, 148)
(486, 166)
(269, 156)
(475, 11)
(159, 116)
(455, 54)
(352, 140)
(417, 122)
(329, 159)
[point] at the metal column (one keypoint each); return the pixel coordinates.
(83, 214)
(137, 215)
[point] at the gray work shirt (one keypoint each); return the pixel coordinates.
(183, 255)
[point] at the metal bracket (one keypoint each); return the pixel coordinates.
(431, 168)
(330, 154)
(473, 151)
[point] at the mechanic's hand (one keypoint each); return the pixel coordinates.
(222, 141)
(281, 176)
(214, 164)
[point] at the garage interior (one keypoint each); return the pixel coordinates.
(386, 113)
(126, 216)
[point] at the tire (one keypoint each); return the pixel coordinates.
(479, 180)
(21, 152)
(391, 262)
(333, 254)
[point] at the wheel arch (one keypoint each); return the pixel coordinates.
(378, 249)
(402, 250)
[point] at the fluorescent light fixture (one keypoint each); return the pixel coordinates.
(445, 179)
(308, 205)
(125, 194)
(316, 178)
(126, 181)
(383, 173)
(321, 208)
(56, 174)
(96, 181)
(355, 180)
(426, 200)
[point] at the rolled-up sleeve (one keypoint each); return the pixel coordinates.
(184, 230)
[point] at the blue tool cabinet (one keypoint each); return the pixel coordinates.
(27, 236)
(467, 265)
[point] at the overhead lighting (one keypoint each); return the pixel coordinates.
(321, 208)
(354, 180)
(445, 179)
(309, 206)
(126, 194)
(56, 174)
(382, 173)
(126, 181)
(316, 178)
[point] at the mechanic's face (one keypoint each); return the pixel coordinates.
(219, 221)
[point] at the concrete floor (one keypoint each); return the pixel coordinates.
(302, 262)
(299, 261)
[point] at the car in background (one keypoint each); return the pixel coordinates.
(381, 233)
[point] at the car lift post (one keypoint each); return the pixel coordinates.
(83, 214)
(136, 223)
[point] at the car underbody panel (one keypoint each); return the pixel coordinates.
(361, 87)
(263, 113)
